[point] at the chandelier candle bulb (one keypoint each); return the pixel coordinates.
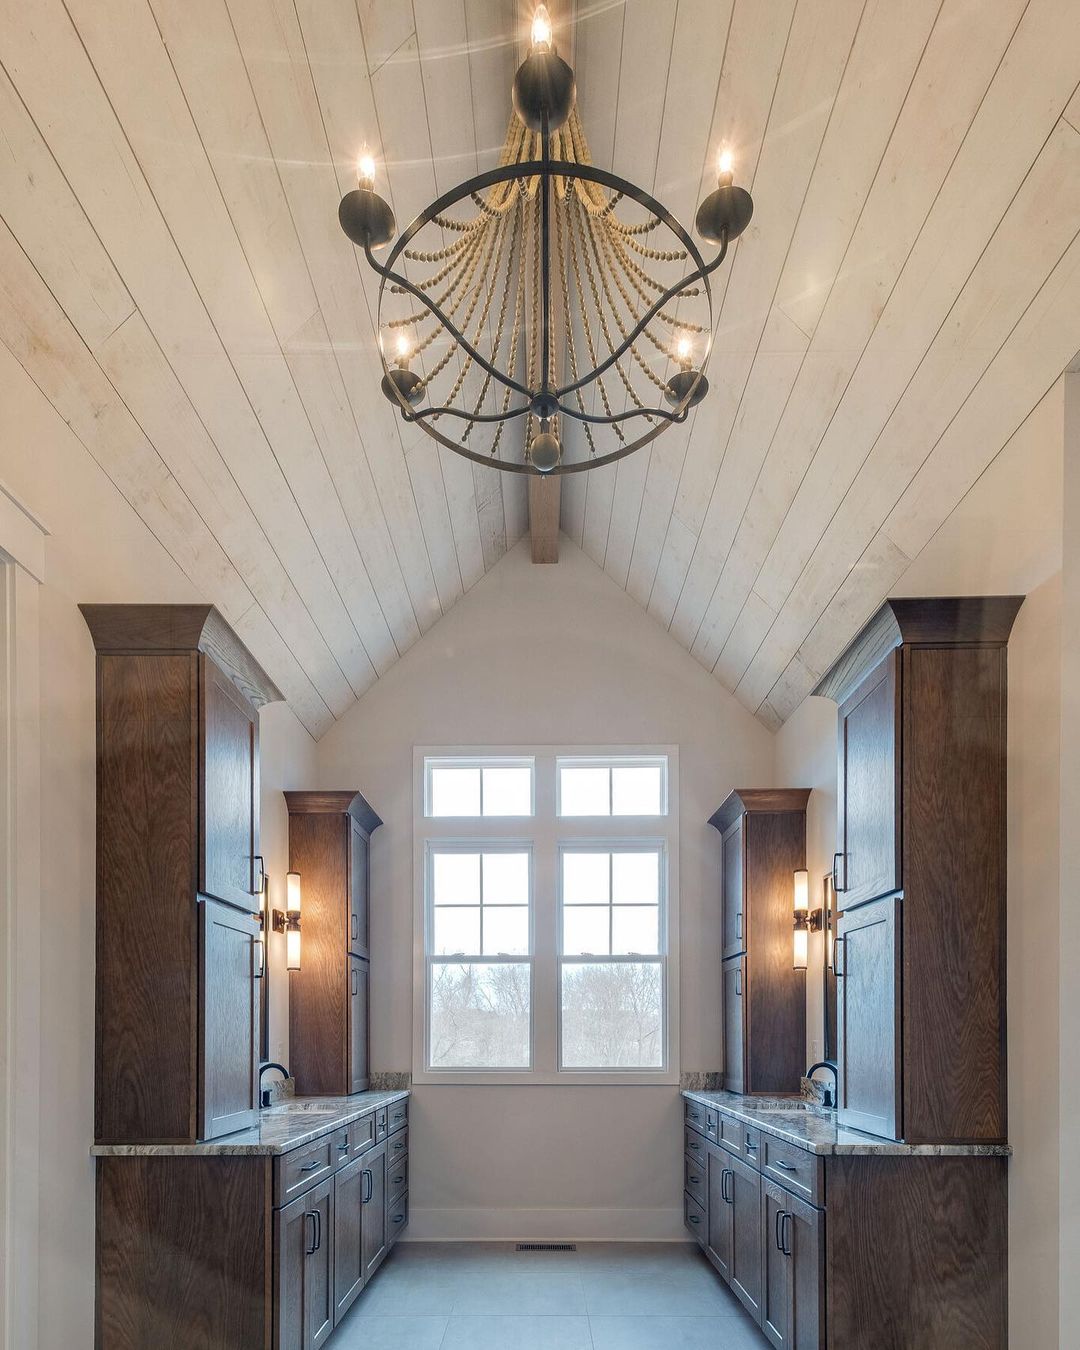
(541, 28)
(365, 170)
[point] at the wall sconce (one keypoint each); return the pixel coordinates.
(806, 920)
(288, 922)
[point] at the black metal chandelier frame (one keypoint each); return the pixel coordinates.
(544, 97)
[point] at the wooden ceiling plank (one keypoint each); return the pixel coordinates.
(317, 124)
(1037, 350)
(953, 74)
(129, 56)
(648, 57)
(203, 50)
(37, 333)
(50, 67)
(1019, 110)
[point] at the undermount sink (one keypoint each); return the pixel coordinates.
(302, 1108)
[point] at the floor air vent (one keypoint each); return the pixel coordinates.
(546, 1247)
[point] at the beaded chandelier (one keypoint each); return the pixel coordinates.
(545, 292)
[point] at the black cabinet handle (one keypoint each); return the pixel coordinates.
(313, 1215)
(838, 946)
(311, 1166)
(257, 889)
(259, 952)
(738, 983)
(785, 1166)
(750, 1146)
(785, 1245)
(835, 879)
(693, 1218)
(396, 1181)
(354, 926)
(694, 1181)
(727, 1172)
(353, 976)
(776, 1230)
(400, 1218)
(343, 1147)
(738, 924)
(369, 1181)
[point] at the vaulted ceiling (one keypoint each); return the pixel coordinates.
(173, 278)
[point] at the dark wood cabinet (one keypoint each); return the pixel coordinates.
(374, 1222)
(744, 1205)
(763, 843)
(793, 1269)
(733, 983)
(868, 789)
(229, 1019)
(349, 1188)
(867, 964)
(719, 1174)
(922, 693)
(177, 817)
(329, 839)
(229, 865)
(304, 1269)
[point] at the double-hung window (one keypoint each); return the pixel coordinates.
(547, 896)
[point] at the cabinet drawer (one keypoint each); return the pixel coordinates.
(793, 1168)
(362, 1134)
(694, 1182)
(397, 1218)
(712, 1124)
(694, 1115)
(341, 1146)
(397, 1176)
(382, 1120)
(694, 1218)
(397, 1147)
(303, 1167)
(398, 1118)
(694, 1145)
(741, 1139)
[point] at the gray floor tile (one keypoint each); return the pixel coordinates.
(373, 1332)
(642, 1291)
(520, 1333)
(530, 1292)
(675, 1333)
(408, 1289)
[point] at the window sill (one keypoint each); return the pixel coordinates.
(529, 1078)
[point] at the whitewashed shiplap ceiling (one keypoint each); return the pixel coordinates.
(172, 276)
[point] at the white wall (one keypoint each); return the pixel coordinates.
(545, 655)
(98, 550)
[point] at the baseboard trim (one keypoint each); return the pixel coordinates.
(545, 1225)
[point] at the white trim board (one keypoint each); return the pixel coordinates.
(545, 1225)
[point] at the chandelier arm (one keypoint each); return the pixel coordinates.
(388, 274)
(648, 413)
(699, 274)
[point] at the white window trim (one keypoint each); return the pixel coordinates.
(546, 831)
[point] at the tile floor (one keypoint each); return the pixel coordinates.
(604, 1296)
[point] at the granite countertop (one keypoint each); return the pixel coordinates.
(294, 1122)
(814, 1128)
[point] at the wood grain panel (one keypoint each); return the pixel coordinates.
(869, 1039)
(183, 1253)
(955, 890)
(868, 787)
(147, 953)
(917, 1253)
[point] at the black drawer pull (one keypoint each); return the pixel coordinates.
(785, 1245)
(370, 1180)
(750, 1147)
(785, 1166)
(313, 1215)
(311, 1166)
(727, 1172)
(693, 1218)
(835, 879)
(694, 1181)
(396, 1181)
(776, 1230)
(399, 1218)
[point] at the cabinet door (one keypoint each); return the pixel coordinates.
(777, 1312)
(868, 788)
(358, 1024)
(229, 804)
(373, 1220)
(793, 1271)
(319, 1268)
(350, 1185)
(719, 1176)
(304, 1270)
(744, 1188)
(866, 959)
(228, 1020)
(732, 879)
(734, 994)
(359, 874)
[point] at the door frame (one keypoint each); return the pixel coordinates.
(22, 570)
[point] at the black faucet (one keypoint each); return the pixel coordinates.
(264, 1093)
(830, 1097)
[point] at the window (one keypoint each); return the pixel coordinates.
(546, 891)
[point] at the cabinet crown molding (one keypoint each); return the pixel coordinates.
(741, 800)
(927, 621)
(120, 629)
(348, 801)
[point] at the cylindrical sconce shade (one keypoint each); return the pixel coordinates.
(800, 934)
(292, 930)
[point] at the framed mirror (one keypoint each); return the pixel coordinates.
(828, 933)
